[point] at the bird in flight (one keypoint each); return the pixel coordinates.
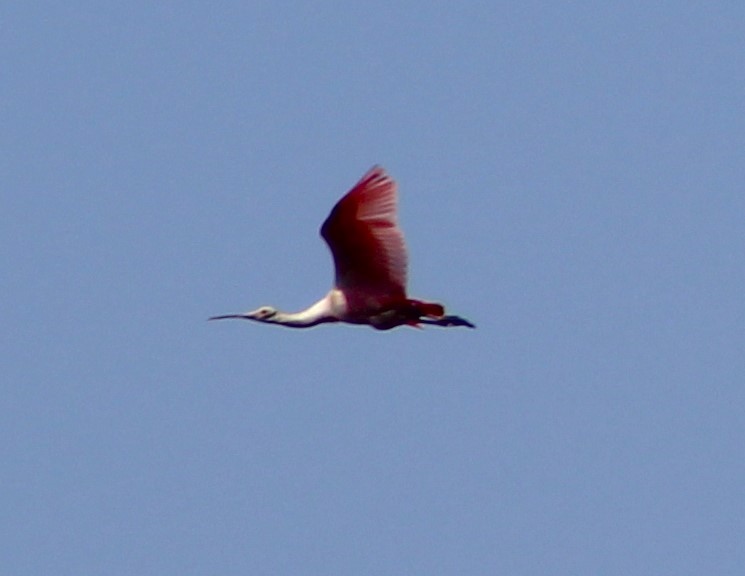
(370, 260)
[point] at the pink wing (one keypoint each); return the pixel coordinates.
(365, 240)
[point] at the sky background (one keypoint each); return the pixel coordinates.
(571, 180)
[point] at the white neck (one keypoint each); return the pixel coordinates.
(318, 313)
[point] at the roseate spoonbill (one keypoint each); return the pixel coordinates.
(370, 260)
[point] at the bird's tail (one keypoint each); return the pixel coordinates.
(433, 314)
(429, 309)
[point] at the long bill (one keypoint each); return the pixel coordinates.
(225, 316)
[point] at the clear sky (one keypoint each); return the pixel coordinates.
(571, 179)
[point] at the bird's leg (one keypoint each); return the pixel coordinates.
(447, 321)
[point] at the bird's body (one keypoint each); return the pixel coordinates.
(370, 262)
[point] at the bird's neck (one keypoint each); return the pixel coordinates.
(318, 313)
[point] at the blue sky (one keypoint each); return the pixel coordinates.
(571, 179)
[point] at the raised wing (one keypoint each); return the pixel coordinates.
(365, 240)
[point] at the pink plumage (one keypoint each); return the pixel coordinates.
(365, 240)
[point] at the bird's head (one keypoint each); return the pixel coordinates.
(263, 314)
